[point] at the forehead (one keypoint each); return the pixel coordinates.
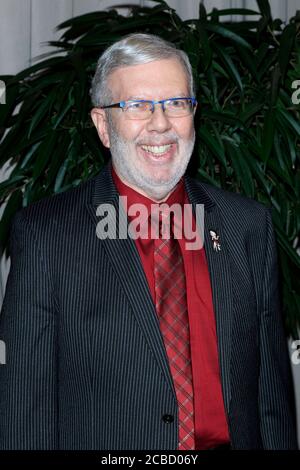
(157, 79)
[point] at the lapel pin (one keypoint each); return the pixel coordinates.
(215, 240)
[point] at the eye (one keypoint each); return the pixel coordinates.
(137, 106)
(177, 104)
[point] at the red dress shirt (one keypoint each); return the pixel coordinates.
(211, 427)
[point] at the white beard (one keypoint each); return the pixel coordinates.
(156, 189)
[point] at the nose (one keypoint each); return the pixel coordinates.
(159, 121)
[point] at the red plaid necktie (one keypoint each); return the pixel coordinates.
(171, 306)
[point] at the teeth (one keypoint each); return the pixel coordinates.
(157, 149)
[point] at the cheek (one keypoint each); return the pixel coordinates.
(184, 129)
(130, 130)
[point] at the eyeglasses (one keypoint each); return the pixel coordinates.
(143, 109)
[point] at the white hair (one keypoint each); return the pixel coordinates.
(134, 49)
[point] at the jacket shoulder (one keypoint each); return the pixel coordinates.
(55, 210)
(230, 202)
(76, 195)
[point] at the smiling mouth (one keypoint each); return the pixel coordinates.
(157, 149)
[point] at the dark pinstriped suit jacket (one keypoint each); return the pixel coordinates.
(86, 366)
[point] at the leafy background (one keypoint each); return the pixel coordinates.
(248, 131)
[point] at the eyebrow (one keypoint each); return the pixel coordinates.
(178, 95)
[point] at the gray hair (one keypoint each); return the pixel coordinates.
(134, 49)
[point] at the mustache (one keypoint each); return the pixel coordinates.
(160, 140)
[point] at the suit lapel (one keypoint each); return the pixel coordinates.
(220, 276)
(125, 260)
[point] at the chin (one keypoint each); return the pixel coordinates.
(160, 183)
(163, 176)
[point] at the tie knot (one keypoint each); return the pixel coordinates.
(164, 219)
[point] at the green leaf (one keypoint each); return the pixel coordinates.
(279, 166)
(275, 84)
(226, 118)
(241, 168)
(204, 47)
(42, 111)
(261, 53)
(268, 134)
(212, 81)
(248, 62)
(234, 11)
(14, 203)
(202, 12)
(29, 154)
(59, 156)
(290, 121)
(267, 65)
(226, 33)
(286, 43)
(86, 20)
(10, 182)
(264, 8)
(212, 143)
(60, 176)
(231, 68)
(44, 153)
(207, 179)
(257, 170)
(286, 246)
(250, 110)
(40, 66)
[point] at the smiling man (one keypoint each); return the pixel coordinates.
(151, 148)
(117, 343)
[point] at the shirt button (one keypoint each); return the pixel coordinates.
(168, 418)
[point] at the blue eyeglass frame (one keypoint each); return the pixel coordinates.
(122, 104)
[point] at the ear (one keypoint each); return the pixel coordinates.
(100, 121)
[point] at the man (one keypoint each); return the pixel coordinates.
(141, 343)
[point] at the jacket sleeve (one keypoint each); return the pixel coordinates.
(28, 395)
(275, 383)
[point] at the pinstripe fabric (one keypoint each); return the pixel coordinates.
(86, 366)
